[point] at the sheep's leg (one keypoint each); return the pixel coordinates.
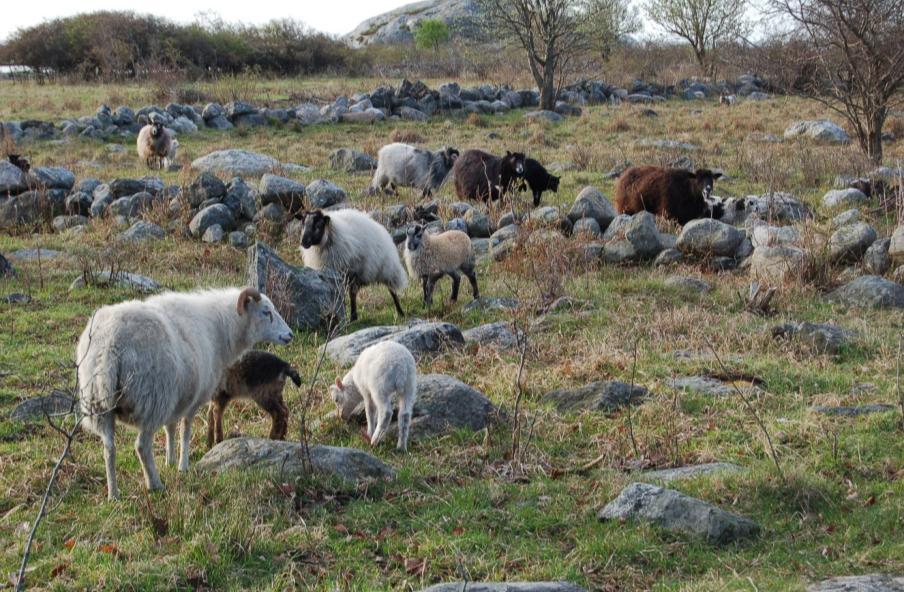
(537, 196)
(406, 406)
(456, 282)
(105, 424)
(424, 281)
(385, 417)
(353, 299)
(468, 270)
(171, 429)
(144, 448)
(398, 305)
(276, 408)
(215, 421)
(370, 412)
(431, 285)
(186, 441)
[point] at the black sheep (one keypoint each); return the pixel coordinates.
(480, 175)
(538, 179)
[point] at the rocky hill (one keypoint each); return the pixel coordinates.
(397, 26)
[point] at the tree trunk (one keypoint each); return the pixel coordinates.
(548, 88)
(872, 143)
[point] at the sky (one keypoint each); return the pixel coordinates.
(336, 17)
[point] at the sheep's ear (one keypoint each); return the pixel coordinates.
(245, 296)
(508, 152)
(339, 384)
(716, 175)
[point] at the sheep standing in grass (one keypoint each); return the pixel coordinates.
(259, 377)
(431, 256)
(153, 363)
(383, 370)
(357, 247)
(479, 175)
(157, 145)
(406, 166)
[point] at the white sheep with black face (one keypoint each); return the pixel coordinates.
(383, 371)
(153, 363)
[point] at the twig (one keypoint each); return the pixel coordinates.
(756, 416)
(628, 414)
(521, 340)
(900, 396)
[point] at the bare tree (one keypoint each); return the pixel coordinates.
(851, 60)
(608, 22)
(704, 24)
(550, 33)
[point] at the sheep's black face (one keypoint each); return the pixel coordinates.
(515, 162)
(156, 129)
(449, 156)
(554, 183)
(315, 224)
(705, 179)
(415, 236)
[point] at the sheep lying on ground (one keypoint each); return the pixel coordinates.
(259, 377)
(431, 256)
(481, 176)
(157, 145)
(677, 194)
(154, 363)
(406, 166)
(383, 370)
(356, 246)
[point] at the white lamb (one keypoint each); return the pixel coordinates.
(356, 246)
(383, 370)
(153, 363)
(431, 256)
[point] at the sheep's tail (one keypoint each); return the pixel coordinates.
(293, 374)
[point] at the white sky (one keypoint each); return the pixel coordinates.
(336, 17)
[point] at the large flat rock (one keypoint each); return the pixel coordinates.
(864, 583)
(421, 338)
(691, 471)
(38, 408)
(676, 512)
(307, 298)
(288, 457)
(870, 291)
(605, 395)
(235, 163)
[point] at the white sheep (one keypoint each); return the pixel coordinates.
(403, 165)
(383, 370)
(153, 363)
(431, 256)
(357, 247)
(157, 144)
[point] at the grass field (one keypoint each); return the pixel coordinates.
(461, 506)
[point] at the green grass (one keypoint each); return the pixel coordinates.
(460, 506)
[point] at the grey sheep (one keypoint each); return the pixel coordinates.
(402, 165)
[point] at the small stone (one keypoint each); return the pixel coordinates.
(213, 234)
(606, 396)
(687, 283)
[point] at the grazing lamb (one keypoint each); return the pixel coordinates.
(354, 245)
(157, 144)
(20, 162)
(260, 377)
(383, 370)
(538, 179)
(481, 176)
(677, 194)
(431, 256)
(153, 363)
(406, 166)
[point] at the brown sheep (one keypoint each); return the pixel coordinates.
(481, 176)
(677, 194)
(260, 377)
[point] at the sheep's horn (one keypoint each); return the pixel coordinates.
(244, 296)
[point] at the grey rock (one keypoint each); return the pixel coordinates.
(122, 279)
(591, 203)
(240, 199)
(306, 298)
(691, 471)
(863, 583)
(287, 192)
(876, 260)
(676, 512)
(79, 203)
(631, 238)
(273, 213)
(821, 130)
(350, 161)
(397, 27)
(421, 338)
(308, 114)
(37, 409)
(323, 194)
(219, 123)
(668, 257)
(706, 385)
(846, 411)
(776, 264)
(63, 223)
(543, 115)
(497, 334)
(505, 587)
(12, 180)
(587, 227)
(846, 217)
(125, 187)
(845, 198)
(235, 163)
(217, 214)
(213, 234)
(775, 208)
(870, 291)
(236, 108)
(764, 235)
(204, 187)
(688, 283)
(491, 303)
(549, 217)
(896, 246)
(143, 231)
(289, 459)
(606, 396)
(478, 223)
(238, 239)
(708, 237)
(53, 178)
(822, 337)
(850, 242)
